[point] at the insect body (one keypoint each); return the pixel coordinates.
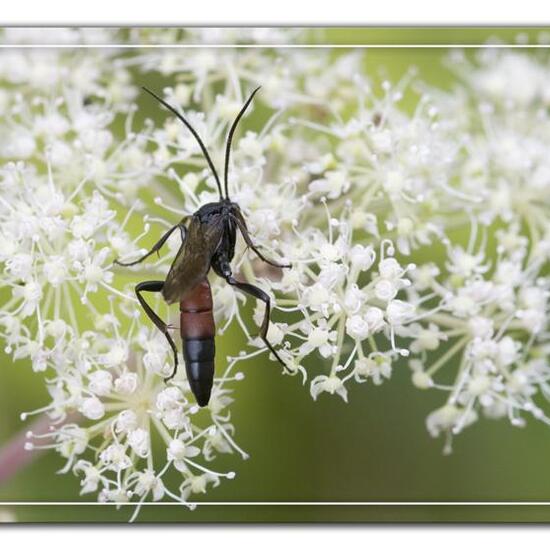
(208, 241)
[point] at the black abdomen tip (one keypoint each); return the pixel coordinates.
(199, 365)
(201, 378)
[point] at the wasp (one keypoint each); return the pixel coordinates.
(208, 241)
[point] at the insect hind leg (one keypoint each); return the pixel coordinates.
(156, 286)
(264, 297)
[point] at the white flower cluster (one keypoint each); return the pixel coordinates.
(71, 170)
(366, 190)
(494, 319)
(108, 407)
(478, 315)
(344, 302)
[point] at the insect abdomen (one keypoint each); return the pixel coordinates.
(197, 333)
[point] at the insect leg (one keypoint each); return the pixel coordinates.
(158, 245)
(260, 295)
(156, 286)
(241, 224)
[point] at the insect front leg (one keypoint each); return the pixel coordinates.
(156, 286)
(264, 297)
(241, 224)
(157, 246)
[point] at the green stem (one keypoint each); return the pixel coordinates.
(446, 356)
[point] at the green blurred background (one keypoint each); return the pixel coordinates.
(375, 448)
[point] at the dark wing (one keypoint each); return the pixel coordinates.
(193, 259)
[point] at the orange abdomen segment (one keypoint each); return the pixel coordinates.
(196, 318)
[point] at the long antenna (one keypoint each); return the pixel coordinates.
(195, 134)
(230, 138)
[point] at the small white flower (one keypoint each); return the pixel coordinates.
(92, 476)
(389, 268)
(148, 482)
(385, 290)
(101, 382)
(362, 257)
(399, 312)
(126, 383)
(374, 316)
(357, 327)
(332, 185)
(92, 408)
(330, 384)
(448, 417)
(126, 421)
(138, 440)
(115, 458)
(377, 366)
(72, 441)
(170, 404)
(178, 451)
(116, 356)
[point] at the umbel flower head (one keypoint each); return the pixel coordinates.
(109, 408)
(415, 220)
